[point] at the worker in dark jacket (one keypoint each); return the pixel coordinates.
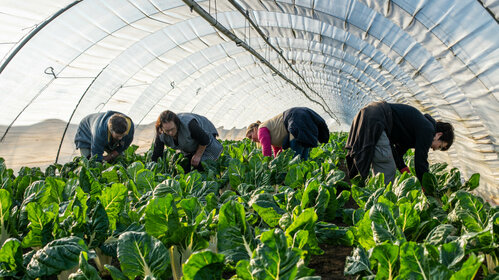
(298, 128)
(109, 131)
(192, 134)
(381, 133)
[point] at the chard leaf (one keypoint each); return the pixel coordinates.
(144, 180)
(387, 257)
(236, 172)
(243, 270)
(40, 219)
(300, 239)
(211, 202)
(333, 235)
(451, 254)
(341, 199)
(317, 197)
(363, 232)
(469, 268)
(133, 169)
(430, 184)
(296, 176)
(412, 262)
(191, 208)
(5, 204)
(168, 186)
(27, 257)
(377, 182)
(470, 210)
(438, 167)
(258, 173)
(408, 218)
(273, 259)
(439, 234)
(373, 198)
(74, 215)
(245, 189)
(203, 265)
(402, 188)
(116, 274)
(112, 199)
(361, 195)
(383, 225)
(56, 256)
(453, 181)
(266, 207)
(55, 190)
(163, 222)
(88, 183)
(358, 263)
(292, 199)
(473, 182)
(306, 221)
(142, 255)
(97, 226)
(11, 257)
(193, 180)
(111, 175)
(206, 188)
(334, 176)
(438, 272)
(235, 236)
(480, 241)
(85, 271)
(36, 191)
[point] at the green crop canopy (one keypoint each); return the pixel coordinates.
(238, 61)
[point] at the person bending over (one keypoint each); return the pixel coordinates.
(381, 133)
(298, 128)
(192, 134)
(109, 132)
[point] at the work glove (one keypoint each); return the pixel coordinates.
(405, 169)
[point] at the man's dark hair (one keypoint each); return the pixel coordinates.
(447, 133)
(166, 116)
(117, 123)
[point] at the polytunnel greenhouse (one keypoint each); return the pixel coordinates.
(244, 215)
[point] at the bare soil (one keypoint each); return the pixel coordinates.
(331, 264)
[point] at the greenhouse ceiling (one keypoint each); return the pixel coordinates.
(236, 61)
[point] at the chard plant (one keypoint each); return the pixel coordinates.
(244, 215)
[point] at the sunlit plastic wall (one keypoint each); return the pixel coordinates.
(64, 60)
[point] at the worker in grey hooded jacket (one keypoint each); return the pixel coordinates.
(192, 134)
(110, 132)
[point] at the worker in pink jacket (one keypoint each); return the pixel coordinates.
(298, 128)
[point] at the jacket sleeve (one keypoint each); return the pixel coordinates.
(159, 148)
(99, 141)
(421, 160)
(264, 137)
(398, 156)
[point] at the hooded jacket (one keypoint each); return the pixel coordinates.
(94, 134)
(405, 126)
(306, 126)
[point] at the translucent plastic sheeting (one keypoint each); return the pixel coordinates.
(64, 60)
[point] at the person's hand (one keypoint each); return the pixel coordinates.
(109, 157)
(195, 160)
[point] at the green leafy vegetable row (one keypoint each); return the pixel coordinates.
(245, 216)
